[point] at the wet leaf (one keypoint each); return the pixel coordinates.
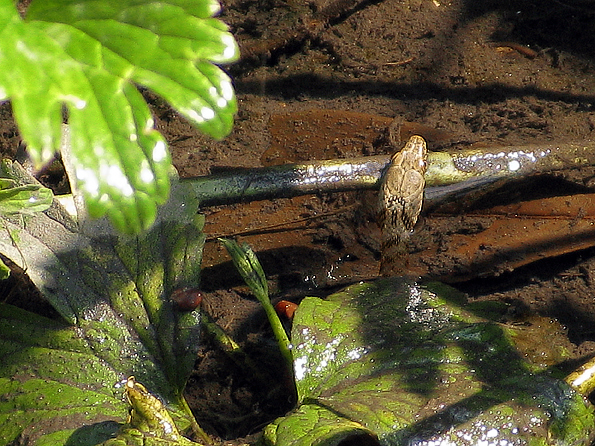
(89, 56)
(409, 366)
(49, 374)
(59, 382)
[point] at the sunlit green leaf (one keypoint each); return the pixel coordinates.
(49, 373)
(23, 199)
(89, 56)
(20, 200)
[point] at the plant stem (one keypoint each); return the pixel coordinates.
(583, 379)
(232, 349)
(478, 166)
(251, 271)
(196, 429)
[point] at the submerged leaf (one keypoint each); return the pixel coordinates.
(407, 365)
(114, 291)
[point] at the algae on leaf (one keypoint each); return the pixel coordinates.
(406, 364)
(61, 382)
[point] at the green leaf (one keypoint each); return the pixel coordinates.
(23, 199)
(249, 268)
(50, 374)
(311, 425)
(20, 200)
(4, 271)
(406, 365)
(88, 56)
(114, 292)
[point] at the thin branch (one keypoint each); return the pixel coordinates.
(464, 169)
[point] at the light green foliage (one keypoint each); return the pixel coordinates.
(24, 199)
(408, 365)
(89, 56)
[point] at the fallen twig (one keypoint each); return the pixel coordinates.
(468, 168)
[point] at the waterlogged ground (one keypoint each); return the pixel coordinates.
(324, 79)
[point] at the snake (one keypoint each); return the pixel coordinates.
(399, 204)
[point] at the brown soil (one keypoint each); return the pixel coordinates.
(505, 72)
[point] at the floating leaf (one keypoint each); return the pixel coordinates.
(408, 366)
(89, 56)
(58, 382)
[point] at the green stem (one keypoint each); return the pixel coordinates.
(201, 435)
(251, 271)
(583, 379)
(444, 168)
(278, 330)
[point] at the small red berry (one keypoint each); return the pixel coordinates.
(186, 299)
(285, 308)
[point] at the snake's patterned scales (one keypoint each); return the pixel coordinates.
(400, 201)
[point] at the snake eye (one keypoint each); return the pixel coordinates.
(186, 299)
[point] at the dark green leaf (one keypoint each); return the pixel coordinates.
(114, 290)
(411, 367)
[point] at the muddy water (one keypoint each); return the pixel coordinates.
(329, 91)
